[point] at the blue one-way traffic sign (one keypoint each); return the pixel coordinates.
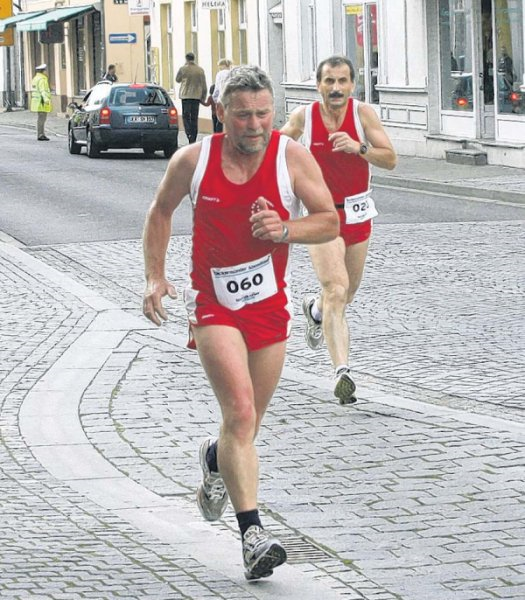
(122, 38)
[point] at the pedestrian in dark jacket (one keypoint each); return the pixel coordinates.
(110, 74)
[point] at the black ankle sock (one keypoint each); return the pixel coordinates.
(247, 519)
(211, 457)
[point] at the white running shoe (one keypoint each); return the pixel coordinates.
(345, 387)
(212, 497)
(314, 329)
(261, 553)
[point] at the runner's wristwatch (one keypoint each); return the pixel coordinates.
(363, 149)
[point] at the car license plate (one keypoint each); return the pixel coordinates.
(141, 119)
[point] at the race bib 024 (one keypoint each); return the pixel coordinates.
(359, 208)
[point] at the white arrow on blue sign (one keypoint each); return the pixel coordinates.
(122, 38)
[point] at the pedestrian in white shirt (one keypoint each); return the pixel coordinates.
(225, 66)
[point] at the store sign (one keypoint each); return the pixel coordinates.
(354, 9)
(7, 38)
(138, 7)
(213, 4)
(6, 9)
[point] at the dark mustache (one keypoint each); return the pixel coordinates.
(336, 95)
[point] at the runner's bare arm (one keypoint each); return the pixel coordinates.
(157, 230)
(294, 128)
(381, 153)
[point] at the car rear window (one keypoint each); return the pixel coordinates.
(135, 96)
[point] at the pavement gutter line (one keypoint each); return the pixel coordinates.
(50, 425)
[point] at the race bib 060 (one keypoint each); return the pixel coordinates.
(245, 283)
(359, 208)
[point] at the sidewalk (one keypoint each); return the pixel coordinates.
(394, 499)
(425, 174)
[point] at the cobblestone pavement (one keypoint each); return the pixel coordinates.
(416, 491)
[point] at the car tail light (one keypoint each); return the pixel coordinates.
(173, 116)
(105, 116)
(462, 101)
(514, 97)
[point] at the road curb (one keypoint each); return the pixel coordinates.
(496, 195)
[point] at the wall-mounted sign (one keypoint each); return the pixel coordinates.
(138, 7)
(122, 38)
(6, 9)
(7, 38)
(213, 4)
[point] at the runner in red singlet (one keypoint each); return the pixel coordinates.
(245, 186)
(345, 136)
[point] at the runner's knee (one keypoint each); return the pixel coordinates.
(240, 420)
(335, 295)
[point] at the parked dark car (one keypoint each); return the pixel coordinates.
(124, 115)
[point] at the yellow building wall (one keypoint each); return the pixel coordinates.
(129, 59)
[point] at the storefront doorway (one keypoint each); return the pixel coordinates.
(482, 68)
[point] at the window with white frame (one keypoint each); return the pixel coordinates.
(312, 35)
(243, 25)
(194, 25)
(221, 32)
(361, 46)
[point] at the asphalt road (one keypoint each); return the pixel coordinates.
(51, 197)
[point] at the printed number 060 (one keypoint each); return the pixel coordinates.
(233, 287)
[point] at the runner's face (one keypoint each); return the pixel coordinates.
(248, 120)
(335, 86)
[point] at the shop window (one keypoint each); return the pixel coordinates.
(510, 56)
(455, 26)
(98, 69)
(361, 45)
(80, 53)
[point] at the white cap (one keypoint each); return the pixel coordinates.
(41, 67)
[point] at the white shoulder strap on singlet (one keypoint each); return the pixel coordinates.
(288, 198)
(357, 121)
(306, 139)
(200, 169)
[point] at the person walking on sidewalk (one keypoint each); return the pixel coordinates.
(345, 136)
(41, 100)
(245, 187)
(225, 66)
(192, 92)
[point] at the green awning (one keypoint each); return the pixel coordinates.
(40, 22)
(12, 21)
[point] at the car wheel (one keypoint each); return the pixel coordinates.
(169, 151)
(93, 150)
(73, 146)
(148, 151)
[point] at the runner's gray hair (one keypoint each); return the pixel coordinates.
(245, 79)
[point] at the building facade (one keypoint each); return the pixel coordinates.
(441, 74)
(76, 40)
(211, 29)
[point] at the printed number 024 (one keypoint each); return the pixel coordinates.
(360, 206)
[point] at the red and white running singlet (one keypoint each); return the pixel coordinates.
(347, 175)
(229, 266)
